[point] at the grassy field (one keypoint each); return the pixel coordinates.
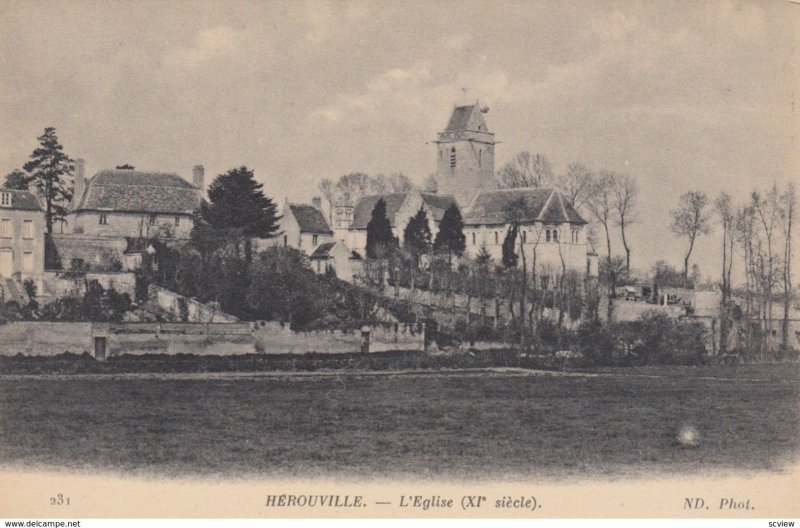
(622, 422)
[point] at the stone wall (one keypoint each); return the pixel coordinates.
(50, 339)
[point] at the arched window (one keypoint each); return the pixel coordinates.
(524, 237)
(555, 235)
(452, 156)
(473, 238)
(547, 235)
(480, 155)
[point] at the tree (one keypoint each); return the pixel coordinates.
(577, 184)
(326, 187)
(417, 236)
(526, 170)
(238, 207)
(602, 207)
(510, 256)
(691, 220)
(788, 210)
(379, 232)
(351, 187)
(17, 180)
(625, 194)
(393, 183)
(450, 239)
(50, 169)
(727, 215)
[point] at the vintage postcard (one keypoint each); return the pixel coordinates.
(415, 259)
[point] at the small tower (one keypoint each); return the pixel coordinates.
(342, 216)
(465, 157)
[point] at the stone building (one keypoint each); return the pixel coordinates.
(134, 203)
(465, 155)
(303, 227)
(21, 242)
(549, 223)
(400, 207)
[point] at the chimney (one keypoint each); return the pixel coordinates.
(79, 181)
(198, 177)
(317, 203)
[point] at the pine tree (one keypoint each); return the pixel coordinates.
(49, 169)
(417, 235)
(237, 206)
(450, 237)
(509, 256)
(379, 231)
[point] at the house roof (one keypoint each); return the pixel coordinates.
(139, 191)
(310, 219)
(323, 250)
(541, 204)
(24, 200)
(436, 204)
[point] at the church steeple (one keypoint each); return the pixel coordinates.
(465, 158)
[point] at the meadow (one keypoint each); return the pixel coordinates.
(464, 425)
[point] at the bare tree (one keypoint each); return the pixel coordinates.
(326, 187)
(602, 208)
(691, 219)
(526, 170)
(625, 194)
(788, 207)
(515, 213)
(351, 187)
(577, 184)
(728, 218)
(767, 211)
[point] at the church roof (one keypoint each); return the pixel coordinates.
(363, 211)
(468, 117)
(436, 205)
(310, 219)
(541, 205)
(139, 191)
(24, 200)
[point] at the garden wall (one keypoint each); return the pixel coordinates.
(50, 339)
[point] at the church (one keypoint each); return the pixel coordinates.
(465, 175)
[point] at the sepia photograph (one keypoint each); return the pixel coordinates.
(425, 258)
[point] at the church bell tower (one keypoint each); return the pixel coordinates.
(465, 155)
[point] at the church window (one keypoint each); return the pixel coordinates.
(285, 240)
(547, 235)
(452, 156)
(152, 219)
(524, 237)
(177, 221)
(103, 220)
(555, 235)
(473, 238)
(314, 239)
(496, 238)
(480, 152)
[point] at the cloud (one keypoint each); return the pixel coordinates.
(614, 26)
(209, 44)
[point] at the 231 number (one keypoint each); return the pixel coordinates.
(59, 500)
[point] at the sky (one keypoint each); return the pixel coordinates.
(682, 95)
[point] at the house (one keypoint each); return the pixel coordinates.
(133, 203)
(336, 257)
(302, 227)
(400, 207)
(22, 242)
(549, 223)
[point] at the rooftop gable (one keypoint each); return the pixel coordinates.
(467, 118)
